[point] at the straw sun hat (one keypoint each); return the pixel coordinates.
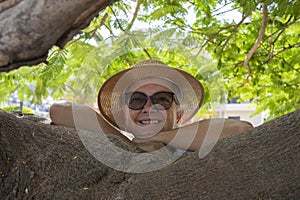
(190, 92)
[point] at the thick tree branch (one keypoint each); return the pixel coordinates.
(40, 161)
(8, 4)
(28, 31)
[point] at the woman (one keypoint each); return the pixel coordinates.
(154, 102)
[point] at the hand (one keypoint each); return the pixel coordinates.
(232, 127)
(147, 145)
(61, 113)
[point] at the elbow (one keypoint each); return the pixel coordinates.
(244, 126)
(61, 114)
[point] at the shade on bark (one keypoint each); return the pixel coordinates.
(50, 162)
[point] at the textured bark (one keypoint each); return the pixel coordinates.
(29, 28)
(40, 161)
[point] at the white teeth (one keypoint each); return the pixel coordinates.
(149, 121)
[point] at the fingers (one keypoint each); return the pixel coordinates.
(61, 114)
(150, 146)
(233, 127)
(141, 140)
(242, 126)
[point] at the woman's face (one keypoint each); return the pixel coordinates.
(151, 119)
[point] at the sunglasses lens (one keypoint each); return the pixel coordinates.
(136, 100)
(161, 100)
(164, 99)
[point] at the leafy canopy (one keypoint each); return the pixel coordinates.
(237, 48)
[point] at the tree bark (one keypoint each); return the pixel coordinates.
(40, 161)
(29, 28)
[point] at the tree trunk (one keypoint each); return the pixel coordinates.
(29, 28)
(40, 161)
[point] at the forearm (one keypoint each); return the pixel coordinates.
(80, 117)
(189, 137)
(205, 132)
(61, 114)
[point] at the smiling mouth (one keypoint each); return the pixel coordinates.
(145, 122)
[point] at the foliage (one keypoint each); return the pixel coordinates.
(25, 110)
(254, 55)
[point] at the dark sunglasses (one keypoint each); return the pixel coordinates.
(137, 100)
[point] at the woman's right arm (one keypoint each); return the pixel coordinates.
(80, 117)
(86, 118)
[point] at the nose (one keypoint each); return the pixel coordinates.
(147, 106)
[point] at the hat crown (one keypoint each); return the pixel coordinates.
(149, 62)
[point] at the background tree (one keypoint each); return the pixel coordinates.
(255, 46)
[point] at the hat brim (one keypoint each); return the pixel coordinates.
(111, 91)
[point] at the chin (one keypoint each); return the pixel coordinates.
(145, 135)
(146, 132)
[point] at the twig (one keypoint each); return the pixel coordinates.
(288, 64)
(137, 8)
(220, 8)
(212, 36)
(278, 33)
(103, 20)
(224, 12)
(282, 30)
(285, 48)
(110, 31)
(237, 26)
(92, 32)
(118, 22)
(148, 54)
(259, 38)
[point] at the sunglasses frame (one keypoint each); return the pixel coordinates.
(129, 94)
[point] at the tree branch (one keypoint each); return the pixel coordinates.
(237, 26)
(111, 32)
(118, 22)
(8, 4)
(26, 40)
(220, 8)
(259, 38)
(148, 54)
(39, 160)
(137, 8)
(103, 20)
(211, 36)
(281, 31)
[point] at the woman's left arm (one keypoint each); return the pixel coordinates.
(191, 137)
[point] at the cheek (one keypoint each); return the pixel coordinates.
(171, 120)
(128, 115)
(132, 114)
(129, 118)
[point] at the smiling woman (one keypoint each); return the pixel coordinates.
(154, 102)
(188, 90)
